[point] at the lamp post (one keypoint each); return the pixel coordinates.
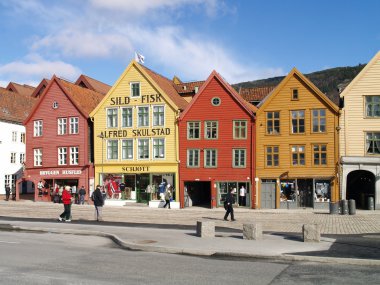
(101, 136)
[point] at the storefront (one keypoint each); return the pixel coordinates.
(242, 192)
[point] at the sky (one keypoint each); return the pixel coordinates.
(243, 40)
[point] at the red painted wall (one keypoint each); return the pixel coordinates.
(50, 140)
(229, 110)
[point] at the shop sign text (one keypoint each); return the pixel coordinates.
(59, 172)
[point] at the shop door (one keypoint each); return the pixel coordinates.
(306, 193)
(268, 195)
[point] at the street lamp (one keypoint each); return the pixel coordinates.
(101, 136)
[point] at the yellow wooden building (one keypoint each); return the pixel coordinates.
(296, 146)
(136, 136)
(360, 137)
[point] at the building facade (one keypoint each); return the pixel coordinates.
(296, 146)
(58, 139)
(360, 137)
(136, 136)
(216, 134)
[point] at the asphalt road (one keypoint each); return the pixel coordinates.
(36, 258)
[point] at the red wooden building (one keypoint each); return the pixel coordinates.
(216, 139)
(59, 138)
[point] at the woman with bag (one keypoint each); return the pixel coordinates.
(66, 199)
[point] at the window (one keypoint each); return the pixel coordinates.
(319, 120)
(298, 155)
(320, 154)
(13, 157)
(22, 158)
(14, 136)
(240, 129)
(159, 148)
(127, 149)
(210, 158)
(112, 149)
(372, 106)
(373, 143)
(272, 156)
(135, 89)
(239, 156)
(215, 101)
(62, 129)
(193, 158)
(295, 94)
(143, 148)
(126, 117)
(193, 130)
(10, 179)
(112, 118)
(74, 125)
(37, 157)
(273, 123)
(143, 116)
(37, 128)
(298, 122)
(158, 116)
(23, 137)
(62, 155)
(211, 130)
(74, 155)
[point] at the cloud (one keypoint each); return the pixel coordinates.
(33, 68)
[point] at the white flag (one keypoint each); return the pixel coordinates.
(139, 57)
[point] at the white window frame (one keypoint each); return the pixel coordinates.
(158, 148)
(125, 154)
(161, 116)
(145, 116)
(114, 122)
(37, 155)
(128, 117)
(62, 155)
(62, 126)
(14, 136)
(37, 128)
(13, 157)
(112, 150)
(22, 158)
(142, 147)
(74, 155)
(74, 125)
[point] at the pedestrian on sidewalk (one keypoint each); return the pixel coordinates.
(97, 197)
(228, 202)
(82, 194)
(66, 199)
(168, 196)
(7, 192)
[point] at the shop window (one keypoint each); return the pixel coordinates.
(240, 129)
(273, 123)
(193, 158)
(319, 120)
(288, 191)
(193, 130)
(298, 121)
(322, 191)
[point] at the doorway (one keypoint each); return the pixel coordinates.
(360, 186)
(306, 193)
(198, 194)
(268, 195)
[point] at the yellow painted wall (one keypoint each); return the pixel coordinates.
(121, 90)
(283, 103)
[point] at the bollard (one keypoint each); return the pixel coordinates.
(311, 233)
(205, 229)
(334, 208)
(344, 207)
(371, 204)
(351, 207)
(252, 231)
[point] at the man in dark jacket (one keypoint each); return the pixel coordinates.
(82, 194)
(230, 200)
(97, 197)
(7, 192)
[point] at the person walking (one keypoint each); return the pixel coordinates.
(228, 202)
(82, 195)
(66, 199)
(168, 196)
(7, 192)
(97, 197)
(242, 193)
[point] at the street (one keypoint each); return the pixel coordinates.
(47, 258)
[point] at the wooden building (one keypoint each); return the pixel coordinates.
(216, 137)
(136, 136)
(360, 137)
(296, 146)
(58, 138)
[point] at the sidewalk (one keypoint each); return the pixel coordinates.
(173, 231)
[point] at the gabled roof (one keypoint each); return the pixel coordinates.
(21, 89)
(255, 93)
(375, 59)
(160, 82)
(266, 101)
(85, 100)
(15, 107)
(250, 109)
(40, 88)
(93, 84)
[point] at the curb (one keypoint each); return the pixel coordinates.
(194, 252)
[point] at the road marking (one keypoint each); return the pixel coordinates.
(1, 241)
